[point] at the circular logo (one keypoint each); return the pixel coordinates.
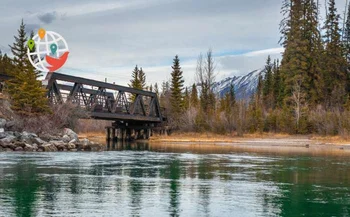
(47, 51)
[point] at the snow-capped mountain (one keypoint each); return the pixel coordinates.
(245, 85)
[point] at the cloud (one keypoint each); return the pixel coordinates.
(108, 38)
(32, 27)
(48, 18)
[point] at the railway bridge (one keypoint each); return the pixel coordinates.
(106, 101)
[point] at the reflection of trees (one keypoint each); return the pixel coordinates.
(205, 171)
(308, 187)
(135, 189)
(24, 188)
(175, 171)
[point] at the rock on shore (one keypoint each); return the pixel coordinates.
(30, 142)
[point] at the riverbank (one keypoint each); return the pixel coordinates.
(258, 143)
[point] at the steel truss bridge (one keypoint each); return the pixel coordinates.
(106, 101)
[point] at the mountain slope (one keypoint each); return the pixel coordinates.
(245, 85)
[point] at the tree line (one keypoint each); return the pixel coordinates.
(308, 91)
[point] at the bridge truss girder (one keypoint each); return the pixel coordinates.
(104, 100)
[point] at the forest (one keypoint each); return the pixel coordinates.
(305, 92)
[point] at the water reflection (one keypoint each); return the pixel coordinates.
(145, 180)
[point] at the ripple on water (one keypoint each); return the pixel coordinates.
(127, 183)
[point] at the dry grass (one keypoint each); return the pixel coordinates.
(98, 137)
(211, 137)
(339, 140)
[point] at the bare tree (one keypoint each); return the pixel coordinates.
(209, 68)
(298, 98)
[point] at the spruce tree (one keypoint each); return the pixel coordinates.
(232, 95)
(277, 85)
(5, 64)
(346, 44)
(156, 89)
(303, 48)
(26, 92)
(194, 96)
(177, 84)
(142, 79)
(135, 82)
(268, 82)
(346, 36)
(335, 73)
(314, 50)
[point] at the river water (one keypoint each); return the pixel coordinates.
(155, 180)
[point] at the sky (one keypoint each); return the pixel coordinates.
(108, 38)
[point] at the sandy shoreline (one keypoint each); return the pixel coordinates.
(281, 144)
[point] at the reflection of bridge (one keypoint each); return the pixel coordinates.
(107, 101)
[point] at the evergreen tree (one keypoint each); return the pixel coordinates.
(346, 35)
(294, 61)
(303, 49)
(314, 50)
(277, 85)
(26, 92)
(135, 82)
(156, 89)
(5, 64)
(259, 90)
(19, 50)
(142, 79)
(335, 73)
(177, 84)
(268, 82)
(232, 95)
(194, 96)
(346, 44)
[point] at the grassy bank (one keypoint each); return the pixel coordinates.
(216, 138)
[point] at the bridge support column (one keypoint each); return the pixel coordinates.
(113, 134)
(108, 134)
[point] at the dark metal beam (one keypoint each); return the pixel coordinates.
(125, 117)
(73, 79)
(85, 90)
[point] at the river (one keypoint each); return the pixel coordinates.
(155, 180)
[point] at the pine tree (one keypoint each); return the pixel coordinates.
(194, 96)
(142, 79)
(177, 84)
(232, 95)
(27, 94)
(277, 85)
(335, 74)
(346, 36)
(302, 43)
(19, 50)
(268, 82)
(156, 89)
(5, 64)
(314, 50)
(135, 82)
(346, 44)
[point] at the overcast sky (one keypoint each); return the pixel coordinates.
(108, 38)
